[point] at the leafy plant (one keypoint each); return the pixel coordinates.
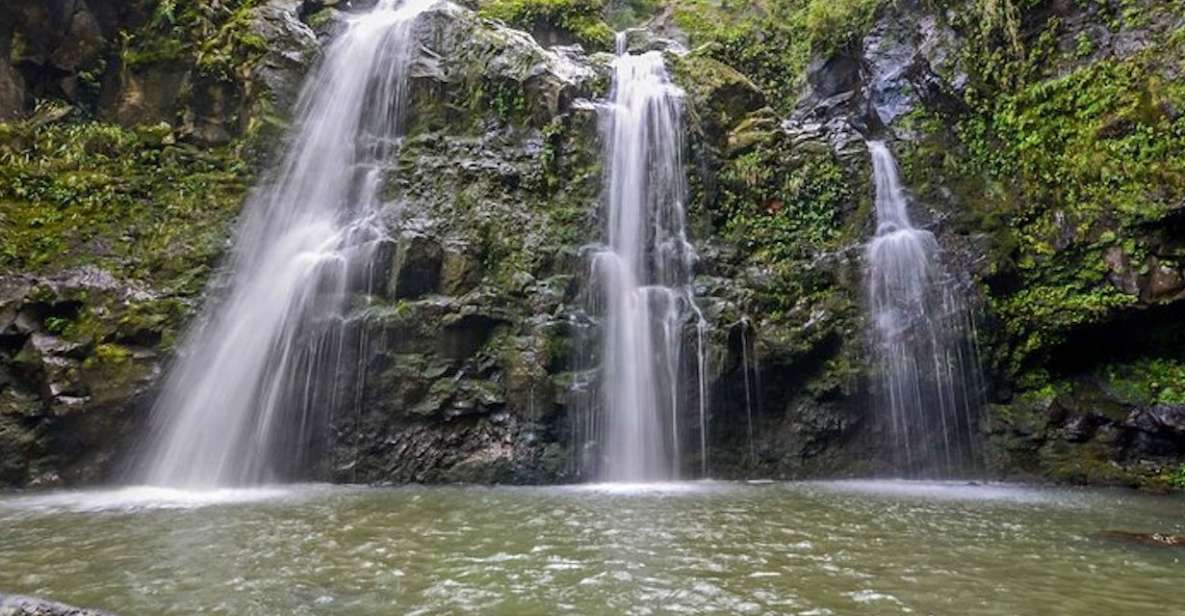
(1178, 478)
(128, 200)
(834, 25)
(56, 325)
(583, 19)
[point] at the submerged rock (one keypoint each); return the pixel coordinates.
(17, 605)
(1149, 539)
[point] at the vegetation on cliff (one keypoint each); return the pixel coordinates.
(1044, 142)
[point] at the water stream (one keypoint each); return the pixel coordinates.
(642, 277)
(247, 399)
(928, 374)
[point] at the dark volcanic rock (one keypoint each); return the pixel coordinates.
(1150, 539)
(17, 605)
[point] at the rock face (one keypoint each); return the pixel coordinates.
(111, 233)
(495, 188)
(1041, 142)
(73, 388)
(17, 605)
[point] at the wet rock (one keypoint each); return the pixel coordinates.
(416, 270)
(465, 52)
(12, 90)
(1162, 284)
(77, 359)
(17, 605)
(908, 59)
(1120, 272)
(1159, 540)
(59, 39)
(291, 49)
(147, 95)
(642, 40)
(460, 271)
(831, 77)
(1081, 428)
(211, 109)
(721, 96)
(1158, 419)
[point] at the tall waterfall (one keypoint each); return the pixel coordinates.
(922, 339)
(248, 398)
(651, 333)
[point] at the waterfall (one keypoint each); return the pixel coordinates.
(921, 337)
(642, 279)
(247, 400)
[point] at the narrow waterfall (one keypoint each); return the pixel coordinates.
(651, 343)
(248, 399)
(922, 337)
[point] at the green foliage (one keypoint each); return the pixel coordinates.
(766, 41)
(582, 19)
(780, 203)
(1062, 169)
(771, 41)
(1147, 381)
(131, 201)
(625, 14)
(835, 25)
(505, 98)
(214, 36)
(109, 353)
(56, 325)
(1083, 46)
(1178, 478)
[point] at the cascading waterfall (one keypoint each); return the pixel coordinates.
(248, 398)
(642, 278)
(922, 337)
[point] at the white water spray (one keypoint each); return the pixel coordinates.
(920, 329)
(643, 288)
(246, 402)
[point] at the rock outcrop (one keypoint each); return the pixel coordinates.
(17, 605)
(1041, 142)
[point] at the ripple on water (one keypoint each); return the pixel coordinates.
(133, 498)
(701, 547)
(944, 490)
(656, 488)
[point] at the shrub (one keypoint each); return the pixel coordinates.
(582, 19)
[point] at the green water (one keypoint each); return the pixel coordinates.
(806, 548)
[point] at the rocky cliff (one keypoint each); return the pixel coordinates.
(1041, 139)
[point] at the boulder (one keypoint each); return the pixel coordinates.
(292, 47)
(12, 90)
(17, 605)
(416, 269)
(1159, 540)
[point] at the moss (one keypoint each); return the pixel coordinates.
(1177, 479)
(1147, 381)
(1088, 463)
(583, 20)
(767, 41)
(131, 202)
(836, 25)
(504, 98)
(721, 97)
(772, 41)
(1057, 169)
(781, 202)
(212, 36)
(623, 14)
(112, 354)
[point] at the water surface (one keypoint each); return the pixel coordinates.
(858, 547)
